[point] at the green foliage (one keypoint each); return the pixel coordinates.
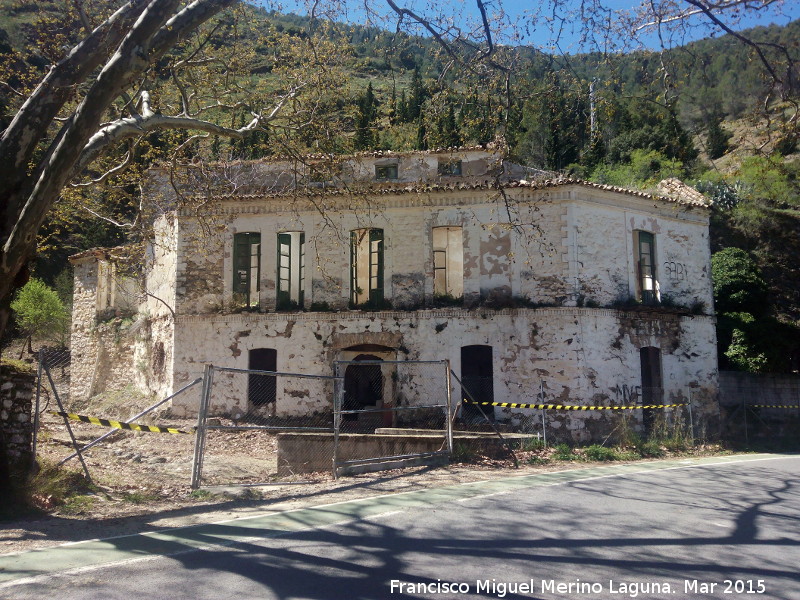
(771, 179)
(463, 452)
(531, 444)
(366, 120)
(650, 449)
(738, 284)
(645, 168)
(564, 452)
(604, 453)
(756, 344)
(39, 312)
(717, 137)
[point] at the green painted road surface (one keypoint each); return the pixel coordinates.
(172, 542)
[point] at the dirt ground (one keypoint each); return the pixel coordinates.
(142, 483)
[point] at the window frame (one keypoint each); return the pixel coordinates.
(441, 262)
(294, 277)
(375, 265)
(450, 168)
(243, 263)
(646, 273)
(391, 171)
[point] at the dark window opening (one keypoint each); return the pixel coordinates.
(262, 389)
(363, 386)
(449, 167)
(477, 381)
(652, 391)
(384, 172)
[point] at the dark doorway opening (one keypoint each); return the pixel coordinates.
(363, 385)
(652, 391)
(262, 389)
(476, 378)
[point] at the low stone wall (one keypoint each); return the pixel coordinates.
(16, 429)
(313, 452)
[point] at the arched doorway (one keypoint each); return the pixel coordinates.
(363, 384)
(368, 386)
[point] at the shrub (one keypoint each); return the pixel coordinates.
(600, 453)
(39, 312)
(564, 452)
(650, 449)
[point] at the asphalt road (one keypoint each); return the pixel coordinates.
(698, 529)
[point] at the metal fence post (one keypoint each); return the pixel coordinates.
(200, 432)
(66, 421)
(338, 393)
(450, 409)
(544, 423)
(36, 410)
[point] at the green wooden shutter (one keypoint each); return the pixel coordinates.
(302, 273)
(353, 267)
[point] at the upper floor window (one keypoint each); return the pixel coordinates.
(366, 267)
(385, 172)
(246, 268)
(448, 262)
(291, 270)
(647, 282)
(449, 167)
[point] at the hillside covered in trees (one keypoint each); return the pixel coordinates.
(623, 119)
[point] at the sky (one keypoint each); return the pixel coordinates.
(526, 21)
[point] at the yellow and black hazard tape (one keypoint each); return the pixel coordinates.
(570, 407)
(120, 424)
(795, 406)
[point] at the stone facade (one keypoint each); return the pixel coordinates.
(583, 293)
(16, 428)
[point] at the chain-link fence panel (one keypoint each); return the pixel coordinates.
(262, 426)
(391, 414)
(126, 441)
(761, 410)
(645, 413)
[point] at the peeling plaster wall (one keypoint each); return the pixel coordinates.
(569, 247)
(578, 356)
(601, 252)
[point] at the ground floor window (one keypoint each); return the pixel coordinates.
(262, 389)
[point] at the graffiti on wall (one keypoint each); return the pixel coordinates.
(627, 393)
(675, 271)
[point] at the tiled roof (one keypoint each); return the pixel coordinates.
(670, 190)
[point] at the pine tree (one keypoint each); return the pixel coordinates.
(366, 120)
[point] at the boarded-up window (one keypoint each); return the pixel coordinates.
(448, 262)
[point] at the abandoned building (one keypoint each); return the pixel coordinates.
(535, 287)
